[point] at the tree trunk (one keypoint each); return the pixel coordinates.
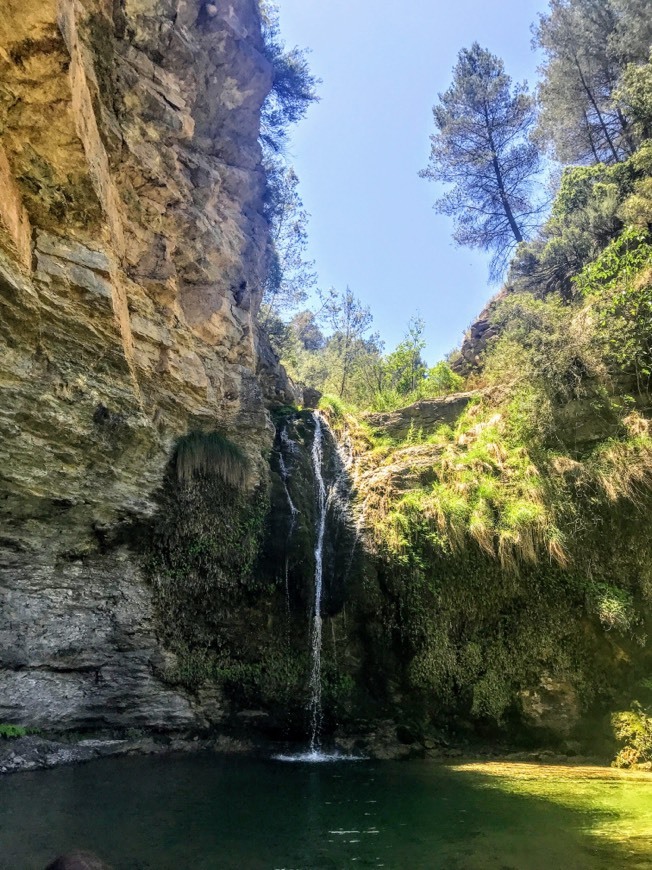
(343, 384)
(601, 120)
(509, 214)
(590, 135)
(627, 131)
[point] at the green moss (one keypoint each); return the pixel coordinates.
(203, 561)
(274, 679)
(9, 732)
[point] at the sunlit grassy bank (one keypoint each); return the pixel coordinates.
(614, 806)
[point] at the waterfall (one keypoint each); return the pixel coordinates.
(316, 627)
(332, 494)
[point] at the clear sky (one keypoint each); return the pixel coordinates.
(359, 151)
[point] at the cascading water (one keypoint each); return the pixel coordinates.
(316, 627)
(332, 495)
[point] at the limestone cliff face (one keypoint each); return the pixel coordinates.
(132, 249)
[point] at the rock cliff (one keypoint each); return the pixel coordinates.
(132, 249)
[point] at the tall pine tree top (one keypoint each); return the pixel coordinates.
(481, 147)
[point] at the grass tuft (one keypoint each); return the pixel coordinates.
(210, 454)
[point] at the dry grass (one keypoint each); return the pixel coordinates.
(623, 469)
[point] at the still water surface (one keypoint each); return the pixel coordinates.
(209, 813)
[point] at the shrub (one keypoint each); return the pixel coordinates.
(618, 287)
(633, 729)
(586, 215)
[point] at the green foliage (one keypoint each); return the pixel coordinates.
(293, 85)
(545, 358)
(584, 44)
(635, 95)
(307, 330)
(404, 378)
(618, 285)
(404, 367)
(441, 380)
(334, 407)
(350, 321)
(614, 607)
(487, 492)
(637, 208)
(633, 729)
(512, 547)
(8, 732)
(617, 265)
(481, 147)
(511, 561)
(630, 41)
(210, 454)
(347, 362)
(356, 370)
(275, 680)
(586, 216)
(580, 185)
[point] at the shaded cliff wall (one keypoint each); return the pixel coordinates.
(132, 249)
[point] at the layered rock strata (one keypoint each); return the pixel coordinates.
(132, 251)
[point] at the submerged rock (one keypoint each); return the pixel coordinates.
(78, 860)
(38, 753)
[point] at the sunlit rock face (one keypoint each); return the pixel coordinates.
(132, 248)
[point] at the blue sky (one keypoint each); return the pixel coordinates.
(359, 151)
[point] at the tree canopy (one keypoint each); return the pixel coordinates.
(579, 118)
(481, 148)
(290, 276)
(294, 87)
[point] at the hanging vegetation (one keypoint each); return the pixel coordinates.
(210, 454)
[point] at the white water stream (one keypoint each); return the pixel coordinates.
(316, 626)
(325, 496)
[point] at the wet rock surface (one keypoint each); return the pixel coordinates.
(42, 753)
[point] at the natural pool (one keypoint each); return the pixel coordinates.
(205, 813)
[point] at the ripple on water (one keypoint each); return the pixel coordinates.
(315, 756)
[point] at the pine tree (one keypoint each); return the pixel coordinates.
(294, 87)
(587, 44)
(482, 148)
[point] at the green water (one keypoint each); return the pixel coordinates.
(204, 812)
